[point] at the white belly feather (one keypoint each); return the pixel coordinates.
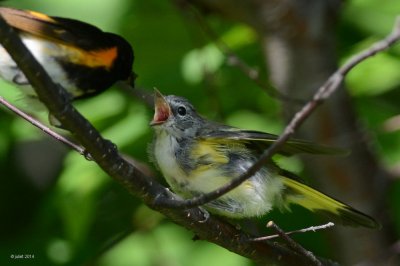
(44, 52)
(164, 153)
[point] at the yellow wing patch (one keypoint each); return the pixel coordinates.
(316, 201)
(100, 58)
(41, 16)
(217, 150)
(310, 198)
(210, 150)
(95, 58)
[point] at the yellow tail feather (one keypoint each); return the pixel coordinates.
(316, 201)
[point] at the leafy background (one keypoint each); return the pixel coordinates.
(64, 210)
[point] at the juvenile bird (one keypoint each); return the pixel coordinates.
(197, 156)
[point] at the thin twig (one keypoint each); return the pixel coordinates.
(234, 60)
(42, 127)
(144, 95)
(303, 230)
(294, 245)
(324, 92)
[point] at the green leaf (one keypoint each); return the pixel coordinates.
(198, 62)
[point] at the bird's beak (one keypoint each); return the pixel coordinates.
(162, 110)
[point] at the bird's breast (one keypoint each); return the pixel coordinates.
(165, 148)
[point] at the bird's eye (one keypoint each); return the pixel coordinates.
(181, 110)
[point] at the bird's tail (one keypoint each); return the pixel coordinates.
(315, 201)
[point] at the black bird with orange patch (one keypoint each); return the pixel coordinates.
(80, 57)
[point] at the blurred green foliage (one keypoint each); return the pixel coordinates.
(64, 210)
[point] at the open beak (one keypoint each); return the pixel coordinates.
(162, 111)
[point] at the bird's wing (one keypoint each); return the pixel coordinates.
(264, 140)
(68, 31)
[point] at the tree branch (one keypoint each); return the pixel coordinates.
(42, 127)
(106, 155)
(294, 244)
(303, 230)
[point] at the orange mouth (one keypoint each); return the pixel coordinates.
(162, 111)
